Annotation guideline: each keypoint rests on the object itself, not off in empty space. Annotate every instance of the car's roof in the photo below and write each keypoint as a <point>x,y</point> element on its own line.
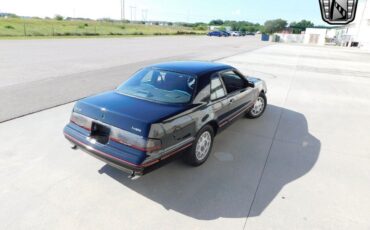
<point>191,67</point>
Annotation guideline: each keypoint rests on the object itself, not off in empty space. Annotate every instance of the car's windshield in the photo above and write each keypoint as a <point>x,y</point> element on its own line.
<point>160,86</point>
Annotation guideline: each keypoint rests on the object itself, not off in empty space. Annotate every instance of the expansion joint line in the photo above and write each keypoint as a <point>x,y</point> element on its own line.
<point>272,141</point>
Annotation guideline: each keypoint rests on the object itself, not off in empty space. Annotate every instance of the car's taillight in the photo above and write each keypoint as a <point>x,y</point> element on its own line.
<point>81,120</point>
<point>134,141</point>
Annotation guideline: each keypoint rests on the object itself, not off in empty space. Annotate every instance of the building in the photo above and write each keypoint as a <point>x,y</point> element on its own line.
<point>156,23</point>
<point>358,32</point>
<point>355,34</point>
<point>289,38</point>
<point>227,28</point>
<point>315,36</point>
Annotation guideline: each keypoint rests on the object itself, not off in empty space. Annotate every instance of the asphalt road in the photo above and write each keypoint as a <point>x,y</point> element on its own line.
<point>303,165</point>
<point>40,74</point>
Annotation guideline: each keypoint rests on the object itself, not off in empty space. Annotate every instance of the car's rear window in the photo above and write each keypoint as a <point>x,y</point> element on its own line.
<point>160,86</point>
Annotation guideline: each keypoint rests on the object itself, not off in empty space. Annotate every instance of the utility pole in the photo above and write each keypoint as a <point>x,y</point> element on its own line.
<point>122,10</point>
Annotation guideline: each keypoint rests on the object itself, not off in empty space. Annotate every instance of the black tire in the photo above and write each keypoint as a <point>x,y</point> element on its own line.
<point>251,114</point>
<point>191,156</point>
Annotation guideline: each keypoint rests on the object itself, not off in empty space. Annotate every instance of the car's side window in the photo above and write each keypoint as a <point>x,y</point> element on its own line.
<point>233,81</point>
<point>217,89</point>
<point>148,77</point>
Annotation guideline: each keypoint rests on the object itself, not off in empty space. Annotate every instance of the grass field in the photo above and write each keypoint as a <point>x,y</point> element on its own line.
<point>17,27</point>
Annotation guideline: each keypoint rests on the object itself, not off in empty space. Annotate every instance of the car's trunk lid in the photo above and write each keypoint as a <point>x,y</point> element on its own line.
<point>124,112</point>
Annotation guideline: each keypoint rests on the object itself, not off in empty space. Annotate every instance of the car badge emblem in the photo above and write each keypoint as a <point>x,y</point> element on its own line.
<point>136,129</point>
<point>338,12</point>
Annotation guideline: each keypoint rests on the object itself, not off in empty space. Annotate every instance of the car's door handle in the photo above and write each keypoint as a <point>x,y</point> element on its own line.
<point>231,100</point>
<point>243,90</point>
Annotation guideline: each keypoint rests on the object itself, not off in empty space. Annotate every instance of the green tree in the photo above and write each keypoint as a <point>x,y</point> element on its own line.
<point>298,27</point>
<point>58,17</point>
<point>273,26</point>
<point>217,22</point>
<point>243,29</point>
<point>252,28</point>
<point>222,28</point>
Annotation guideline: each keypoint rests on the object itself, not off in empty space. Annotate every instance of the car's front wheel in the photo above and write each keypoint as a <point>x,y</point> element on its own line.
<point>201,148</point>
<point>259,107</point>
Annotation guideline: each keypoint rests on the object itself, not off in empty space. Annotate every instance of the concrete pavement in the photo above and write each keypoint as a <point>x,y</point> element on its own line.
<point>303,165</point>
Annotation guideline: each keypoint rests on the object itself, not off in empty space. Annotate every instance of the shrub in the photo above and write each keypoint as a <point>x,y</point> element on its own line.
<point>67,34</point>
<point>122,27</point>
<point>112,33</point>
<point>138,33</point>
<point>9,27</point>
<point>202,28</point>
<point>159,33</point>
<point>180,32</point>
<point>83,26</point>
<point>90,34</point>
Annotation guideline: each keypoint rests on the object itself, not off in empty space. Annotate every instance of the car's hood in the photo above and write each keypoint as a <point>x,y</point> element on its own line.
<point>128,113</point>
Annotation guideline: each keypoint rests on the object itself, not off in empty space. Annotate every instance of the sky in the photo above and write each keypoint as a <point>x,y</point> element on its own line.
<point>257,11</point>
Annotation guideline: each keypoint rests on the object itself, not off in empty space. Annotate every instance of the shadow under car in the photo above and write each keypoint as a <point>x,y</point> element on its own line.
<point>251,161</point>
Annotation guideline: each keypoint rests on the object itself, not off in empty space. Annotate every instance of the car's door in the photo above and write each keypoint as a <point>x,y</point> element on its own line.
<point>218,100</point>
<point>240,94</point>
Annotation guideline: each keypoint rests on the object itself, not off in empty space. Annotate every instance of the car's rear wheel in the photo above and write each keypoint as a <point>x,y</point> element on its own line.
<point>201,148</point>
<point>259,107</point>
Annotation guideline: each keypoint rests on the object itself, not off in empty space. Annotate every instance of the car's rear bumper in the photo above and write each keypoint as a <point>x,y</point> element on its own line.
<point>121,165</point>
<point>125,162</point>
<point>104,153</point>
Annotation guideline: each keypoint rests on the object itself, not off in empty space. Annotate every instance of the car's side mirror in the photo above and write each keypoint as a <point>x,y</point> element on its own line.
<point>250,84</point>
